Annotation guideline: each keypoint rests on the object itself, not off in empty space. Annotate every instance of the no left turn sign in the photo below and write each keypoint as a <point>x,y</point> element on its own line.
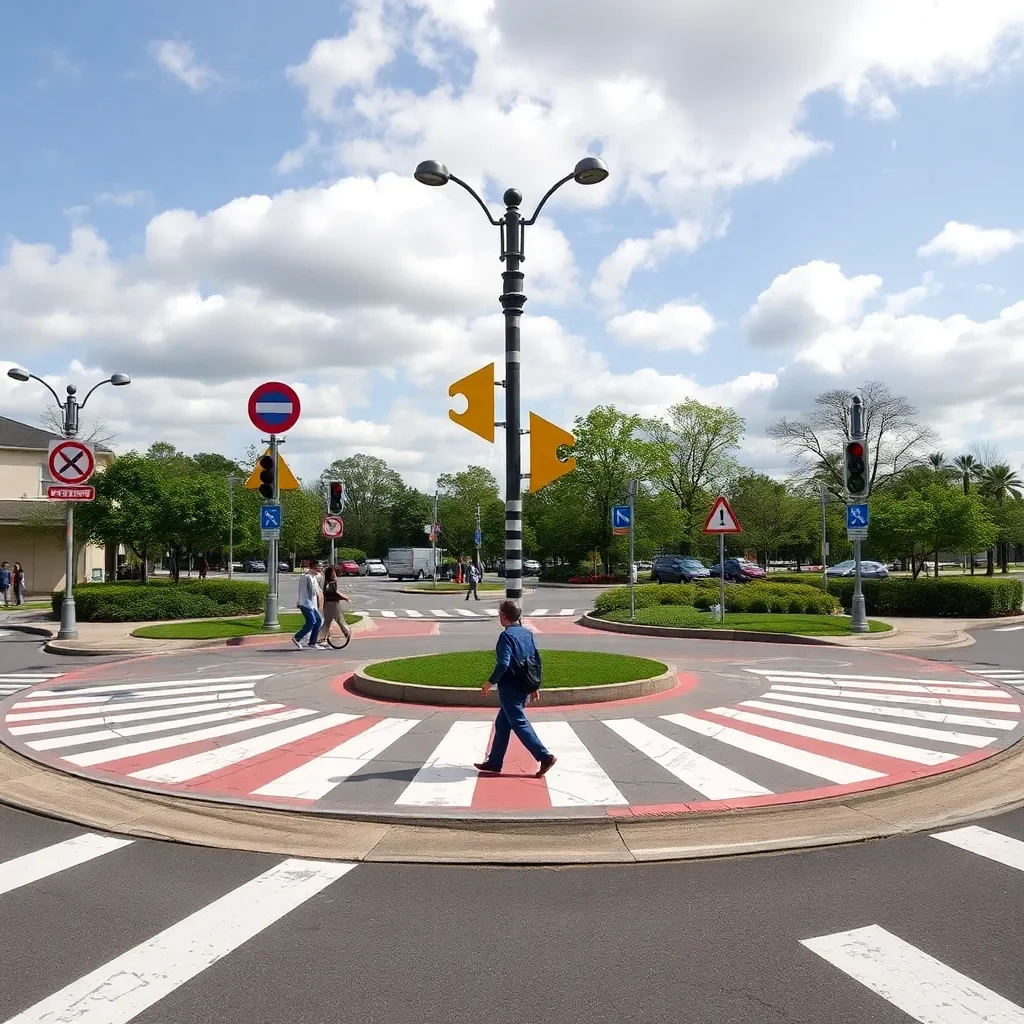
<point>71,462</point>
<point>332,527</point>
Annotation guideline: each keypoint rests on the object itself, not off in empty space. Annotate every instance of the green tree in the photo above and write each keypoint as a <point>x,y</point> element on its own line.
<point>370,489</point>
<point>218,465</point>
<point>302,512</point>
<point>901,527</point>
<point>458,497</point>
<point>959,522</point>
<point>772,517</point>
<point>968,468</point>
<point>699,441</point>
<point>999,484</point>
<point>193,516</point>
<point>410,511</point>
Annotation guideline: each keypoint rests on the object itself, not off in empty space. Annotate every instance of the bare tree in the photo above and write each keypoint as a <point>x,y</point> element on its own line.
<point>895,439</point>
<point>95,432</point>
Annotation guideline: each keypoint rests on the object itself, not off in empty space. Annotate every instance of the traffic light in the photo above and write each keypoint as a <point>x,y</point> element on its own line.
<point>478,390</point>
<point>268,471</point>
<point>335,497</point>
<point>545,440</point>
<point>856,469</point>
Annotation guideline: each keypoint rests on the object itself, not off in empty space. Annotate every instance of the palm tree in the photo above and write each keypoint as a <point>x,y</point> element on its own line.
<point>939,465</point>
<point>999,482</point>
<point>969,469</point>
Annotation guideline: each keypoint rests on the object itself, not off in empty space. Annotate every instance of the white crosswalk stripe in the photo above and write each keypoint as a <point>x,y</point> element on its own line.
<point>475,613</point>
<point>14,682</point>
<point>986,843</point>
<point>31,867</point>
<point>576,780</point>
<point>923,987</point>
<point>448,778</point>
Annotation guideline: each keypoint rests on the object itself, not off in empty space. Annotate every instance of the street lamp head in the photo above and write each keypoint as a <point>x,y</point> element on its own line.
<point>432,172</point>
<point>120,379</point>
<point>590,170</point>
<point>512,197</point>
<point>72,390</point>
<point>18,373</point>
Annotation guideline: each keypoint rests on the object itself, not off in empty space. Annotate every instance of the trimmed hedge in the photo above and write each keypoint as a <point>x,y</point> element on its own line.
<point>745,597</point>
<point>139,602</point>
<point>562,573</point>
<point>927,597</point>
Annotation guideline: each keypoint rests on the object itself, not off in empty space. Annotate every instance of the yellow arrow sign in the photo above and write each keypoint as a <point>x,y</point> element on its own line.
<point>285,477</point>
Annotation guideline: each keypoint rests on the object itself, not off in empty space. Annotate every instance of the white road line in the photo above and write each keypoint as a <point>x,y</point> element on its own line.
<point>823,767</point>
<point>448,778</point>
<point>493,612</point>
<point>389,615</point>
<point>197,765</point>
<point>812,676</point>
<point>945,717</point>
<point>901,751</point>
<point>1007,629</point>
<point>953,691</point>
<point>997,672</point>
<point>538,611</point>
<point>32,677</point>
<point>576,780</point>
<point>963,738</point>
<point>113,735</point>
<point>88,691</point>
<point>469,614</point>
<point>114,720</point>
<point>31,867</point>
<point>707,777</point>
<point>413,614</point>
<point>175,702</point>
<point>116,753</point>
<point>126,986</point>
<point>921,986</point>
<point>317,777</point>
<point>440,613</point>
<point>567,611</point>
<point>986,843</point>
<point>113,699</point>
<point>898,698</point>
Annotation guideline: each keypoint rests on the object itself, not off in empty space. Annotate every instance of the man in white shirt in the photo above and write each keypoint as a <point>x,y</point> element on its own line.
<point>308,602</point>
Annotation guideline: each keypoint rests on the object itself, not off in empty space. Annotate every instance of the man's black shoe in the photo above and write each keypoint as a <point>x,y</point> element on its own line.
<point>546,765</point>
<point>483,766</point>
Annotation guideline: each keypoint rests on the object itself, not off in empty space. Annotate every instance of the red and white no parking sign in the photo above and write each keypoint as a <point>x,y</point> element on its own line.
<point>70,461</point>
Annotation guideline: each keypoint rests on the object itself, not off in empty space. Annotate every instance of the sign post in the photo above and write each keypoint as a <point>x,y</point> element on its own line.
<point>71,464</point>
<point>632,564</point>
<point>721,520</point>
<point>273,408</point>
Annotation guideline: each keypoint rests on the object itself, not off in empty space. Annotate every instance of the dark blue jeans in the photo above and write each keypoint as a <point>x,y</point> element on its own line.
<point>512,719</point>
<point>312,624</point>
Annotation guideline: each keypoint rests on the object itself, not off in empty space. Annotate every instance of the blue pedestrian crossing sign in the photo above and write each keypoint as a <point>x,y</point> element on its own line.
<point>270,517</point>
<point>622,519</point>
<point>856,517</point>
<point>478,538</point>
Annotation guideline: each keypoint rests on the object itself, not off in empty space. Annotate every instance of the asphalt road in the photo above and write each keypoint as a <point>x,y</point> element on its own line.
<point>154,932</point>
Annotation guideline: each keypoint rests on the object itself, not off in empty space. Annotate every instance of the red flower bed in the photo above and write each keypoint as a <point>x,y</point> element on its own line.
<point>597,579</point>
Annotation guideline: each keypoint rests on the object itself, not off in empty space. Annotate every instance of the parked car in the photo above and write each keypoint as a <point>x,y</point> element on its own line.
<point>868,570</point>
<point>531,567</point>
<point>373,567</point>
<point>284,566</point>
<point>739,570</point>
<point>255,565</point>
<point>677,569</point>
<point>346,567</point>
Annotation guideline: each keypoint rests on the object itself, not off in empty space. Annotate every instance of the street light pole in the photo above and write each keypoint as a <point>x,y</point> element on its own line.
<point>512,225</point>
<point>70,409</point>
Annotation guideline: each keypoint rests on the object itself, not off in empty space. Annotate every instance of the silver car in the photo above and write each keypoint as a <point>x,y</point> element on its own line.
<point>373,567</point>
<point>868,570</point>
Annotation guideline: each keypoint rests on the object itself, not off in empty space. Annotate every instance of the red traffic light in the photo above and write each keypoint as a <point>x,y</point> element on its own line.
<point>856,449</point>
<point>336,487</point>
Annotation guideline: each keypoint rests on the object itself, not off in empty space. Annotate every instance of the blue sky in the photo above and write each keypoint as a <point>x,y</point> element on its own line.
<point>105,133</point>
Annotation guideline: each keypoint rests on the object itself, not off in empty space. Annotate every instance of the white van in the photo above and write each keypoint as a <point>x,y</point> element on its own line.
<point>410,563</point>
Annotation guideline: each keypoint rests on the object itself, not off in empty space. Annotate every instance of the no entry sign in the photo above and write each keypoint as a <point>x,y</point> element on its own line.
<point>70,462</point>
<point>274,408</point>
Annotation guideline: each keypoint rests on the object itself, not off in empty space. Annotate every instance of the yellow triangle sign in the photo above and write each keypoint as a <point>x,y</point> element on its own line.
<point>285,477</point>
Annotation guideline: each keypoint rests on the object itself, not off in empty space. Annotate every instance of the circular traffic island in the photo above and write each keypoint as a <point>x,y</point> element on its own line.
<point>570,677</point>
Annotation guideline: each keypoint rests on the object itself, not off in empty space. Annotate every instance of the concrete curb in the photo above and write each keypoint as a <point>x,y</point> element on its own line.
<point>457,696</point>
<point>32,630</point>
<point>633,628</point>
<point>494,595</point>
<point>992,786</point>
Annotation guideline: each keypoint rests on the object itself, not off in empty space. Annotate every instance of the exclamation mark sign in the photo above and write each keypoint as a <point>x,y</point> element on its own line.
<point>721,517</point>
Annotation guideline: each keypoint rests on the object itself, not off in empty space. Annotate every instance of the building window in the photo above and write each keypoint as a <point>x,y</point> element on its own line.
<point>45,480</point>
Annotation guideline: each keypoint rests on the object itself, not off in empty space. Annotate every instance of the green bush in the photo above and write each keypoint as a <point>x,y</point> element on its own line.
<point>349,555</point>
<point>160,599</point>
<point>808,579</point>
<point>561,573</point>
<point>927,597</point>
<point>745,597</point>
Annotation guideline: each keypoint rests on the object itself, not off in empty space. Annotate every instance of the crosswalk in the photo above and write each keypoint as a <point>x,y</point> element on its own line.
<point>803,732</point>
<point>469,613</point>
<point>1007,676</point>
<point>13,682</point>
<point>264,909</point>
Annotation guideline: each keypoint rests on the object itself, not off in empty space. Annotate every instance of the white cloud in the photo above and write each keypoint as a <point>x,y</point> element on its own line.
<point>632,254</point>
<point>968,243</point>
<point>128,198</point>
<point>295,159</point>
<point>675,327</point>
<point>902,302</point>
<point>178,58</point>
<point>805,301</point>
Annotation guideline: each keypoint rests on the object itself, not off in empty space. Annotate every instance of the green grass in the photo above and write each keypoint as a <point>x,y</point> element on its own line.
<point>689,618</point>
<point>561,668</point>
<point>28,606</point>
<point>453,588</point>
<point>213,629</point>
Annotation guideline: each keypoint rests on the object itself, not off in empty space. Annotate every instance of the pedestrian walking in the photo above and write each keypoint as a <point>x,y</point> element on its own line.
<point>18,577</point>
<point>517,674</point>
<point>5,582</point>
<point>473,575</point>
<point>333,600</point>
<point>308,602</point>
<point>204,568</point>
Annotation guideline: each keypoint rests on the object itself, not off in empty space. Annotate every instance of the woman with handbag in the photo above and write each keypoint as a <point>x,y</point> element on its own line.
<point>333,599</point>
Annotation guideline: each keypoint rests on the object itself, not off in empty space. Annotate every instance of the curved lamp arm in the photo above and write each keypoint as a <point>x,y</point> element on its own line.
<point>81,405</point>
<point>483,205</point>
<point>56,397</point>
<point>547,195</point>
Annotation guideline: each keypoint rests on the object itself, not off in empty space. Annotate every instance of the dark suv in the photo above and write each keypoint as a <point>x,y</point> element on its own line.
<point>677,569</point>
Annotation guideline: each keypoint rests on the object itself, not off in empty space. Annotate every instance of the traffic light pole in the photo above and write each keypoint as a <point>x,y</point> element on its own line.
<point>632,534</point>
<point>512,301</point>
<point>270,619</point>
<point>858,615</point>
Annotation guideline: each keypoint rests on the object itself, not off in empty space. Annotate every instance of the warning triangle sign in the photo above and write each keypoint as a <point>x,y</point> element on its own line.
<point>285,477</point>
<point>721,518</point>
